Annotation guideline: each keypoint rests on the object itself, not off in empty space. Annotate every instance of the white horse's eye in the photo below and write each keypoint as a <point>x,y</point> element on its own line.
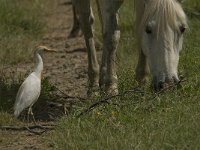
<point>182,29</point>
<point>148,30</point>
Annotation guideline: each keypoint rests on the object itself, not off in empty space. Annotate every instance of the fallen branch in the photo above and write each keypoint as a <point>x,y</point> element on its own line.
<point>35,132</point>
<point>107,99</point>
<point>170,86</point>
<point>29,128</point>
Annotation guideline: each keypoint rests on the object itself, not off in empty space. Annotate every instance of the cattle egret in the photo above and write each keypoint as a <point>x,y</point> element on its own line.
<point>29,91</point>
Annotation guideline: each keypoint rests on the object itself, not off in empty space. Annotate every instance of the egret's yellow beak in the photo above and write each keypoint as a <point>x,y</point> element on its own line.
<point>50,50</point>
<point>44,48</point>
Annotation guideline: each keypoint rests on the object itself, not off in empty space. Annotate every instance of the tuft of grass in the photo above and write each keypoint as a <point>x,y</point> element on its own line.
<point>8,90</point>
<point>193,5</point>
<point>21,27</point>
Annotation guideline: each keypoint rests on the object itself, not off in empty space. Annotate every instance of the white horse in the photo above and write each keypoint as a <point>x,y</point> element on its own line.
<point>160,25</point>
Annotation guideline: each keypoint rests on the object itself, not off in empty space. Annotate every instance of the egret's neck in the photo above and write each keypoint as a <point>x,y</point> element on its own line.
<point>38,64</point>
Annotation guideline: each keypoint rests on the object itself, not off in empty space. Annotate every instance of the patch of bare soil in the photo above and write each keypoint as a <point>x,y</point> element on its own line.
<point>66,69</point>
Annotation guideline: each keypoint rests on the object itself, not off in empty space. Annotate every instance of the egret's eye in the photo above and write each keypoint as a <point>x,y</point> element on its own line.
<point>148,30</point>
<point>182,29</point>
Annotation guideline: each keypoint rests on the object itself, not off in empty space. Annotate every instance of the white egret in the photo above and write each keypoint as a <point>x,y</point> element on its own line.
<point>29,91</point>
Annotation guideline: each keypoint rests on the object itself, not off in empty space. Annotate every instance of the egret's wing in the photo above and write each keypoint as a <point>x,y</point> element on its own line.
<point>28,93</point>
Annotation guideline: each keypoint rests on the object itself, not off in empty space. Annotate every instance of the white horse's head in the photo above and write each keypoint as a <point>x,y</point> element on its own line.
<point>162,27</point>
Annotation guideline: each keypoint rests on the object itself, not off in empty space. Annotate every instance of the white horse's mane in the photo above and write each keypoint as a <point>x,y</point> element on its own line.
<point>166,12</point>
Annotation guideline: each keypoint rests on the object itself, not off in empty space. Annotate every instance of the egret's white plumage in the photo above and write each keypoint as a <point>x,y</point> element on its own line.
<point>29,91</point>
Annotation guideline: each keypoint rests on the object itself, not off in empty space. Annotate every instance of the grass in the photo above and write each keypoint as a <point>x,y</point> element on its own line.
<point>21,28</point>
<point>141,121</point>
<point>169,120</point>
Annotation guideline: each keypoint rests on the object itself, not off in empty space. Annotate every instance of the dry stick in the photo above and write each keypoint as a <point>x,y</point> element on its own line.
<point>29,128</point>
<point>106,100</point>
<point>169,87</point>
<point>36,132</point>
<point>45,128</point>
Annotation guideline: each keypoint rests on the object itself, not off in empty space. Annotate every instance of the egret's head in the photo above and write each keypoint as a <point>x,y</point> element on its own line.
<point>41,49</point>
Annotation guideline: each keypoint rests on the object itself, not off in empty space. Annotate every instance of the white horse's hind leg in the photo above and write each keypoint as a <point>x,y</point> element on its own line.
<point>86,21</point>
<point>111,35</point>
<point>76,25</point>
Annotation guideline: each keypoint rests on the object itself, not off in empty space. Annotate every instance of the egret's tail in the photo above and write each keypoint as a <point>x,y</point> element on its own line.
<point>16,113</point>
<point>17,110</point>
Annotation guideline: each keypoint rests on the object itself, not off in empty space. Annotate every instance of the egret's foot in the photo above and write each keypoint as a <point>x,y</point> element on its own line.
<point>28,115</point>
<point>30,112</point>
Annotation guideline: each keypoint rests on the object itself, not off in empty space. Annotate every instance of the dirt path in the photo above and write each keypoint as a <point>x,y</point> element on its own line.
<point>66,69</point>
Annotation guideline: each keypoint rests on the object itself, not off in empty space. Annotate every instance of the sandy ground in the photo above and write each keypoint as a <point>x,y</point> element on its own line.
<point>66,69</point>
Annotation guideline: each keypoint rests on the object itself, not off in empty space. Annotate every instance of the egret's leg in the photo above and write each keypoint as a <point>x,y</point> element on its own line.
<point>24,118</point>
<point>33,117</point>
<point>29,112</point>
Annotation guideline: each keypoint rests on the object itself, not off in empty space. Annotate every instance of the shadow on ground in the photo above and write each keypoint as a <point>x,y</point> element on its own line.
<point>51,104</point>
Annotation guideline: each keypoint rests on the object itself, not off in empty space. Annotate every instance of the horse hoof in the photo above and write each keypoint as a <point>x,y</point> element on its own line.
<point>93,92</point>
<point>112,90</point>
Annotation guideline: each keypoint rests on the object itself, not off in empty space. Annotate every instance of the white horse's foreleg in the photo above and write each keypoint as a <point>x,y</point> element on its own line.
<point>86,22</point>
<point>111,36</point>
<point>142,68</point>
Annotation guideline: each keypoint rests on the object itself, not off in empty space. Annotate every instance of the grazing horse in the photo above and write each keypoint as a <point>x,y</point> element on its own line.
<point>159,24</point>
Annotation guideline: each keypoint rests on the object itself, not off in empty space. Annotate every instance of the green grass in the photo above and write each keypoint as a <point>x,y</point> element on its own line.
<point>141,121</point>
<point>21,27</point>
<point>192,4</point>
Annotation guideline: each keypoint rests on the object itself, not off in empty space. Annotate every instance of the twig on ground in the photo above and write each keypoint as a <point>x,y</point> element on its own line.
<point>106,100</point>
<point>35,132</point>
<point>29,128</point>
<point>169,87</point>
